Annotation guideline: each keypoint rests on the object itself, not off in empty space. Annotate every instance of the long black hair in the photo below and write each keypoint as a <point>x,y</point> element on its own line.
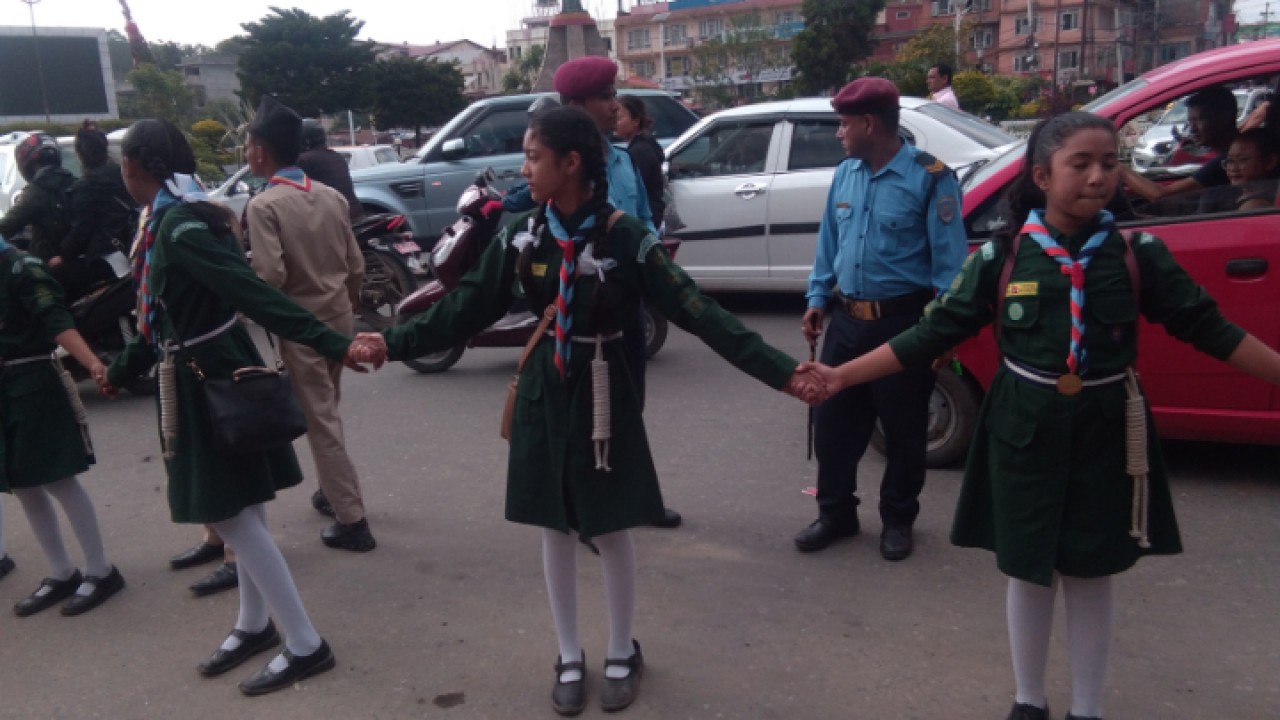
<point>1046,138</point>
<point>636,109</point>
<point>91,145</point>
<point>162,151</point>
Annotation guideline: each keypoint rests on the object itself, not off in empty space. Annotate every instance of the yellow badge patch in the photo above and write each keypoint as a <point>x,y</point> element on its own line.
<point>1023,289</point>
<point>539,269</point>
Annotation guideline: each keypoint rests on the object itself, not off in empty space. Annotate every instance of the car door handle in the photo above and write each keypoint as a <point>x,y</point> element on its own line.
<point>1246,268</point>
<point>746,191</point>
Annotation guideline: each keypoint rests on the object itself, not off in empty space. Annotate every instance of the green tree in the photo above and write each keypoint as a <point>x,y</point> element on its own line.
<point>314,65</point>
<point>977,93</point>
<point>836,36</point>
<point>415,93</point>
<point>747,48</point>
<point>522,75</point>
<point>159,94</point>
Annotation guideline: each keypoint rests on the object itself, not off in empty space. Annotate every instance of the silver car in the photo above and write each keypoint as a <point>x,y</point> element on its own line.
<point>750,184</point>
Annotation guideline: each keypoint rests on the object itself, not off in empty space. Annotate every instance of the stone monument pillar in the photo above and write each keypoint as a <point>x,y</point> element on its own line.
<point>573,34</point>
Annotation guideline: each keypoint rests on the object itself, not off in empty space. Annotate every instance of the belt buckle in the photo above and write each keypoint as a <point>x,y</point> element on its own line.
<point>862,309</point>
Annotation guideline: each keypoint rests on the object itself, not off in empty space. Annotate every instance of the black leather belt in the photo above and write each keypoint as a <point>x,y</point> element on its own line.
<point>912,304</point>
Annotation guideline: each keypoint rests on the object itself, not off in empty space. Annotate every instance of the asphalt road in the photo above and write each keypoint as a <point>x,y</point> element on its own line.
<point>449,618</point>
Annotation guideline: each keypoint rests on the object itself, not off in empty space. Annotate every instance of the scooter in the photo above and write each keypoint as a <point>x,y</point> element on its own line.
<point>457,252</point>
<point>390,267</point>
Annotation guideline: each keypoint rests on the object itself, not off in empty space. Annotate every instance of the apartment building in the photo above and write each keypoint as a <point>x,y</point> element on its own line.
<point>481,67</point>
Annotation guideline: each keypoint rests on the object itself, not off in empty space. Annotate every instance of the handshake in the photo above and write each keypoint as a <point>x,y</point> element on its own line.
<point>812,383</point>
<point>366,348</point>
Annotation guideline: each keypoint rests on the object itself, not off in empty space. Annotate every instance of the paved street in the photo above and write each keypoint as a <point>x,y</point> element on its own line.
<point>449,617</point>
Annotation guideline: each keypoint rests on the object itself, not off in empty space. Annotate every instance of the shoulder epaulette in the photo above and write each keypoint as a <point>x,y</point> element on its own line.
<point>931,164</point>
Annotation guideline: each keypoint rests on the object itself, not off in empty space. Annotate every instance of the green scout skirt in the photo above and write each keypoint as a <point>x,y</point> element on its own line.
<point>42,441</point>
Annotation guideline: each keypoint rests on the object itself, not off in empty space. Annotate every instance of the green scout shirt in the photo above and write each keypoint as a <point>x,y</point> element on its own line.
<point>41,440</point>
<point>1045,485</point>
<point>204,280</point>
<point>551,477</point>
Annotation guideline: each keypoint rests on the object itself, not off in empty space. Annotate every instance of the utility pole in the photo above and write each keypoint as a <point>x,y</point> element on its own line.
<point>1263,30</point>
<point>1084,39</point>
<point>35,43</point>
<point>1057,34</point>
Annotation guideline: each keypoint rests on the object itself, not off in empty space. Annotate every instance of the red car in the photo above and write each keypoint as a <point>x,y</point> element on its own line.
<point>1231,253</point>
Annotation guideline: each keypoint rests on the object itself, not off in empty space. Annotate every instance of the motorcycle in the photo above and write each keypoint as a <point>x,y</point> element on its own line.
<point>457,252</point>
<point>390,267</point>
<point>105,317</point>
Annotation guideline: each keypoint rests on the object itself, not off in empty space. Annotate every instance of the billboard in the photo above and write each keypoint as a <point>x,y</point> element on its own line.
<point>76,71</point>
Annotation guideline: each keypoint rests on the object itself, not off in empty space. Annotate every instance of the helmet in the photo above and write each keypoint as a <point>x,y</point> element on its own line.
<point>313,134</point>
<point>36,151</point>
<point>543,104</point>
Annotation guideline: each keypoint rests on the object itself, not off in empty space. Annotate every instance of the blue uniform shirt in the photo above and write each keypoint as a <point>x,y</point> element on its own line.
<point>882,236</point>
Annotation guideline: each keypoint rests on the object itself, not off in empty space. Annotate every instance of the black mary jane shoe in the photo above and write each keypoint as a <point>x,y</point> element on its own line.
<point>103,588</point>
<point>224,577</point>
<point>618,694</point>
<point>250,644</point>
<point>6,565</point>
<point>349,536</point>
<point>1024,711</point>
<point>59,590</point>
<point>200,554</point>
<point>321,504</point>
<point>298,668</point>
<point>570,698</point>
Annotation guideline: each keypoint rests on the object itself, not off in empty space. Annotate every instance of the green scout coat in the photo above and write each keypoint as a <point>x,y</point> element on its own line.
<point>551,477</point>
<point>204,280</point>
<point>42,442</point>
<point>1045,486</point>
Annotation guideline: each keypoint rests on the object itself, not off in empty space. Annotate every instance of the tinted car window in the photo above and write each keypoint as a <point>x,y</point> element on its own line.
<point>814,145</point>
<point>726,148</point>
<point>498,133</point>
<point>670,118</point>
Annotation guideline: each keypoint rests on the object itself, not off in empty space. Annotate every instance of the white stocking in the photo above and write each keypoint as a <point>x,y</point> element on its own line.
<point>560,566</point>
<point>78,507</point>
<point>258,558</point>
<point>254,615</point>
<point>38,508</point>
<point>1089,622</point>
<point>618,557</point>
<point>1030,616</point>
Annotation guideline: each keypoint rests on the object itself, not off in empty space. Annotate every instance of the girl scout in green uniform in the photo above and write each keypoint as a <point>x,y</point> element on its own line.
<point>1048,485</point>
<point>564,475</point>
<point>46,436</point>
<point>192,280</point>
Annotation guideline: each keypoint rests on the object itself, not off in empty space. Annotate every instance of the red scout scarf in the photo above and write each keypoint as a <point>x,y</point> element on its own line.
<point>1074,269</point>
<point>568,273</point>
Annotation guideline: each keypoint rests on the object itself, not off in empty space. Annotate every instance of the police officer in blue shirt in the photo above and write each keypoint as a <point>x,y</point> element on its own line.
<point>891,237</point>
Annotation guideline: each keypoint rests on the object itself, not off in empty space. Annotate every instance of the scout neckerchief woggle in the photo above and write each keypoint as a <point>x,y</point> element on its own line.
<point>1070,383</point>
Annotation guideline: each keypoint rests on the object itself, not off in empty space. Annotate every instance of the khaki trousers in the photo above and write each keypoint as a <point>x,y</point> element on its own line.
<point>317,382</point>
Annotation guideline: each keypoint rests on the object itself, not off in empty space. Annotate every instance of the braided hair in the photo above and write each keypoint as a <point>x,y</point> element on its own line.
<point>162,151</point>
<point>1046,138</point>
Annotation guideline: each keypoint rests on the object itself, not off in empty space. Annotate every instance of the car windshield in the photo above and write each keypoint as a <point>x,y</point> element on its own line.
<point>1012,155</point>
<point>979,131</point>
<point>1130,87</point>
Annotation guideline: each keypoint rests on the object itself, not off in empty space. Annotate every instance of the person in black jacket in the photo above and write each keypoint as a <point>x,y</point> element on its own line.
<point>102,219</point>
<point>43,203</point>
<point>634,126</point>
<point>324,165</point>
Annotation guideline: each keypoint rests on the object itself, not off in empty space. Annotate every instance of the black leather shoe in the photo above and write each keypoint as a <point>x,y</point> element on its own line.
<point>6,565</point>
<point>618,694</point>
<point>250,644</point>
<point>824,531</point>
<point>59,590</point>
<point>670,519</point>
<point>354,536</point>
<point>896,543</point>
<point>225,577</point>
<point>299,668</point>
<point>103,588</point>
<point>1023,711</point>
<point>198,555</point>
<point>570,698</point>
<point>321,503</point>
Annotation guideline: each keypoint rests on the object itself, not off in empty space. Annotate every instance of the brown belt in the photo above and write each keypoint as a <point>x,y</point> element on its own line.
<point>911,304</point>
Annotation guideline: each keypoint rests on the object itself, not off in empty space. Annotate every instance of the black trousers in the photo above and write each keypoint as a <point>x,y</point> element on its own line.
<point>844,423</point>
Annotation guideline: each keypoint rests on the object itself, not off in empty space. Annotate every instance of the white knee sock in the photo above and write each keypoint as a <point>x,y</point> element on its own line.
<point>254,615</point>
<point>560,566</point>
<point>259,558</point>
<point>618,558</point>
<point>78,507</point>
<point>1030,616</point>
<point>38,508</point>
<point>1089,622</point>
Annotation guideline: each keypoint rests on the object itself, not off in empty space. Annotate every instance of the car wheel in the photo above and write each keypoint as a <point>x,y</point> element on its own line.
<point>655,332</point>
<point>953,416</point>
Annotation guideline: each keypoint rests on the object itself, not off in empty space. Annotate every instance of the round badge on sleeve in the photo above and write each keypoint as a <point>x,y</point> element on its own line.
<point>1015,311</point>
<point>946,208</point>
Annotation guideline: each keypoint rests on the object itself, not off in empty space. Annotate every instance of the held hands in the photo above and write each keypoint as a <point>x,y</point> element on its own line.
<point>368,348</point>
<point>98,372</point>
<point>807,384</point>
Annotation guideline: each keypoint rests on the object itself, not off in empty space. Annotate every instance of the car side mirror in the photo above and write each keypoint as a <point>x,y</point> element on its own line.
<point>241,188</point>
<point>454,149</point>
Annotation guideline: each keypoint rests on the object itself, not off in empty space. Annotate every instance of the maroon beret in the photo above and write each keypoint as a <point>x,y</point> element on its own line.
<point>865,95</point>
<point>585,77</point>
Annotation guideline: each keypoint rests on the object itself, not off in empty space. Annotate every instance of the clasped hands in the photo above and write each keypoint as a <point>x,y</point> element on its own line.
<point>812,383</point>
<point>368,348</point>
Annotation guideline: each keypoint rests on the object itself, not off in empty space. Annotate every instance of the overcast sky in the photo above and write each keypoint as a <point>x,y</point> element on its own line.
<point>418,22</point>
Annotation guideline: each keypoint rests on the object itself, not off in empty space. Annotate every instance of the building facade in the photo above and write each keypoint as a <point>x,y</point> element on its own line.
<point>481,67</point>
<point>211,77</point>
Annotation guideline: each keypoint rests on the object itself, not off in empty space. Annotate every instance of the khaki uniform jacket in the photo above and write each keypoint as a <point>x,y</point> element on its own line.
<point>551,477</point>
<point>41,442</point>
<point>204,280</point>
<point>303,245</point>
<point>1045,486</point>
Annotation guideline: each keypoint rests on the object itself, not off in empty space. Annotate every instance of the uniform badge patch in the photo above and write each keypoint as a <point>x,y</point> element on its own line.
<point>988,250</point>
<point>1015,311</point>
<point>1022,289</point>
<point>946,208</point>
<point>539,269</point>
